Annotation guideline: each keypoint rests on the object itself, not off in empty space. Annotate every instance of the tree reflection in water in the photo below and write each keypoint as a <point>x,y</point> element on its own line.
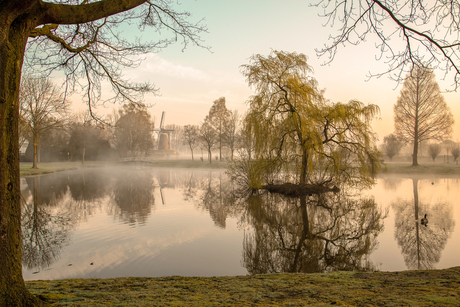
<point>133,196</point>
<point>422,246</point>
<point>53,206</point>
<point>322,232</point>
<point>47,218</point>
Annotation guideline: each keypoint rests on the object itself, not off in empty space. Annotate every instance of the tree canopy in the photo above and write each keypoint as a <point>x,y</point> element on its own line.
<point>133,131</point>
<point>296,129</point>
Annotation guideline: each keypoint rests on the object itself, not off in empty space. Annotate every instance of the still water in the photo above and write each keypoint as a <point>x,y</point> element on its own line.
<point>100,223</point>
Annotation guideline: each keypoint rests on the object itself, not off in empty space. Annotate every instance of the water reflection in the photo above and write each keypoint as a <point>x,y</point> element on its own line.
<point>133,196</point>
<point>211,191</point>
<point>47,220</point>
<point>422,246</point>
<point>114,218</point>
<point>315,233</point>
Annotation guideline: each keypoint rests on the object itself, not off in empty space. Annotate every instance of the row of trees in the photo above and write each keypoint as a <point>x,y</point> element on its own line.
<point>393,146</point>
<point>420,115</point>
<point>45,121</point>
<point>55,134</point>
<point>219,130</point>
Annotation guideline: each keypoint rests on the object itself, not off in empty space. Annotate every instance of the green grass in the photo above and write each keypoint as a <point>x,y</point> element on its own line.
<point>408,288</point>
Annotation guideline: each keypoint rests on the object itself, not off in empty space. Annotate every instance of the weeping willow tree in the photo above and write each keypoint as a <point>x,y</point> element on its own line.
<point>296,132</point>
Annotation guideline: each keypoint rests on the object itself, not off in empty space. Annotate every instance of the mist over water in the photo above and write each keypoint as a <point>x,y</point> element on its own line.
<point>134,221</point>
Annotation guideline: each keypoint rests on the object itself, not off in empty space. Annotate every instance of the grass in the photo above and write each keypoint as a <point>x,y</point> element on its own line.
<point>407,288</point>
<point>406,168</point>
<point>437,168</point>
<point>52,167</point>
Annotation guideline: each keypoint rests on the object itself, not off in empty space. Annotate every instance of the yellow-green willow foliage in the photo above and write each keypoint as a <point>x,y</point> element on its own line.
<point>295,128</point>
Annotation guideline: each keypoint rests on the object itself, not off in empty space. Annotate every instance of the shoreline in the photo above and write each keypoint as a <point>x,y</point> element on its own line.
<point>391,168</point>
<point>408,288</point>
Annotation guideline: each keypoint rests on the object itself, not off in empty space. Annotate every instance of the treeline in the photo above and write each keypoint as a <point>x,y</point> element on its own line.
<point>49,131</point>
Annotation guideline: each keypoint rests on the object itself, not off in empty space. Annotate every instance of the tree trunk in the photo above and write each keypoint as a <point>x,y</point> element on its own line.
<point>35,163</point>
<point>13,292</point>
<point>83,155</point>
<point>191,149</point>
<point>416,136</point>
<point>415,152</point>
<point>303,167</point>
<point>209,155</point>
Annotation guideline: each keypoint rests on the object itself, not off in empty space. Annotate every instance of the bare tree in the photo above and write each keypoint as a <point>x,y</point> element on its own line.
<point>434,150</point>
<point>208,136</point>
<point>421,113</point>
<point>191,137</point>
<point>391,145</point>
<point>231,131</point>
<point>408,33</point>
<point>218,117</point>
<point>81,38</point>
<point>43,108</point>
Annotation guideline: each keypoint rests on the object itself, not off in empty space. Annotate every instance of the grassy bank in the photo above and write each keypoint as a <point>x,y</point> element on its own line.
<point>52,167</point>
<point>436,168</point>
<point>406,168</point>
<point>408,288</point>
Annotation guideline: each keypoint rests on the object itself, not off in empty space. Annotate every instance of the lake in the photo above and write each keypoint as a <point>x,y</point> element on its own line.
<point>150,222</point>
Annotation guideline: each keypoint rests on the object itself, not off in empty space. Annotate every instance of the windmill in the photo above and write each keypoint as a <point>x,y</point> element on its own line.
<point>164,142</point>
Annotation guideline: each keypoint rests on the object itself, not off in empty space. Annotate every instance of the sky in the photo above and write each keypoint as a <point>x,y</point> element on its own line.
<point>189,81</point>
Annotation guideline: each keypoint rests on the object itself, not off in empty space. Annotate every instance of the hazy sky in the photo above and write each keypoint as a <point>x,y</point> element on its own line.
<point>190,81</point>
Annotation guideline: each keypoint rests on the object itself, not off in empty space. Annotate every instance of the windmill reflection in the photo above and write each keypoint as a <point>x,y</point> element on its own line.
<point>422,243</point>
<point>322,232</point>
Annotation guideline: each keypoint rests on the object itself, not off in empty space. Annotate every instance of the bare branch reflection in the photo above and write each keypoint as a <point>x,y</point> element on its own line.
<point>47,220</point>
<point>422,245</point>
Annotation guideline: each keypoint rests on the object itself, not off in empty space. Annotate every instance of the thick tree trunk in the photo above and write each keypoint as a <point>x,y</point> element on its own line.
<point>13,291</point>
